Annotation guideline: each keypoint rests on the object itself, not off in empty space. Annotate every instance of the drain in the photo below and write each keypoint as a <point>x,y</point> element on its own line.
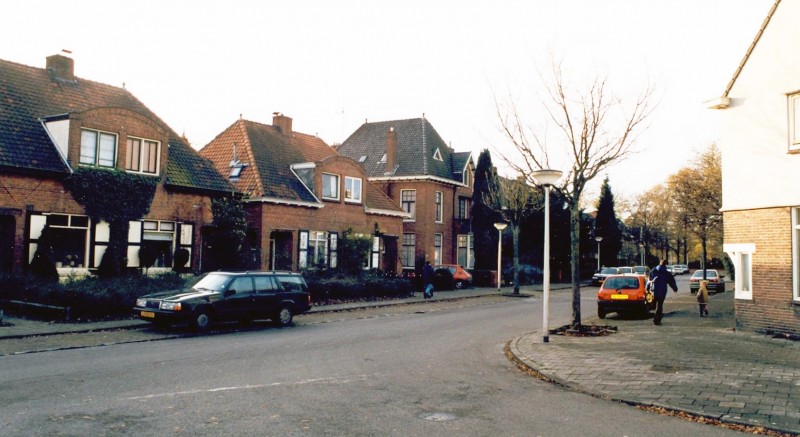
<point>437,417</point>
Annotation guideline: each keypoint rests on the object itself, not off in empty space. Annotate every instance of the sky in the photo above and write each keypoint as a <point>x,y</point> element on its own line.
<point>332,65</point>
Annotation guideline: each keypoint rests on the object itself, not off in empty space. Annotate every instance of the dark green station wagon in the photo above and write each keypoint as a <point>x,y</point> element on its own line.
<point>229,296</point>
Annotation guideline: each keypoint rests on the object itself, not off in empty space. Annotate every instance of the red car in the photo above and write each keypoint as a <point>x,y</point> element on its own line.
<point>451,276</point>
<point>624,294</point>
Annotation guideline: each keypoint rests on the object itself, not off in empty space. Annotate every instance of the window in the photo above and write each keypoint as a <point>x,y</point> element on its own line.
<point>159,237</point>
<point>464,205</point>
<point>466,251</point>
<point>243,285</point>
<point>98,148</point>
<point>374,261</point>
<point>330,186</point>
<point>142,156</point>
<point>437,155</point>
<point>318,248</point>
<point>742,257</point>
<point>408,250</point>
<point>467,176</point>
<point>333,250</point>
<point>794,121</point>
<point>352,189</point>
<point>65,234</point>
<point>437,248</point>
<point>438,197</point>
<point>408,201</point>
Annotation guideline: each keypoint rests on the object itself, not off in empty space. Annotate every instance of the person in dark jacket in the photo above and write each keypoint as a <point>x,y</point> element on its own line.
<point>660,278</point>
<point>427,280</point>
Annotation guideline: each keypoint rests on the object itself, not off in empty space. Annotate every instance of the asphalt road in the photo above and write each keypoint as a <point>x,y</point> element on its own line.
<point>421,370</point>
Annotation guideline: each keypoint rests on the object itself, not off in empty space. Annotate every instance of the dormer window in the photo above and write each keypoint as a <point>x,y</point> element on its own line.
<point>330,186</point>
<point>383,159</point>
<point>363,158</point>
<point>437,155</point>
<point>142,156</point>
<point>98,149</point>
<point>352,189</point>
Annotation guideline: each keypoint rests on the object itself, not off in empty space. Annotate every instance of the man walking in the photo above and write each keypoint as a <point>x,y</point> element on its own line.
<point>660,278</point>
<point>427,280</point>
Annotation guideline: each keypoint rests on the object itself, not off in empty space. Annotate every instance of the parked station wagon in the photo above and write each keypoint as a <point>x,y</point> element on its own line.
<point>229,296</point>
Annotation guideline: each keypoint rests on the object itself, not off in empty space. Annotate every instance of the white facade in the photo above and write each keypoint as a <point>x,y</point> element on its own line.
<point>759,167</point>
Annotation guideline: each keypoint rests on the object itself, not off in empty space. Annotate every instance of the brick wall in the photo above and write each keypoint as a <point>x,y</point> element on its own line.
<point>772,308</point>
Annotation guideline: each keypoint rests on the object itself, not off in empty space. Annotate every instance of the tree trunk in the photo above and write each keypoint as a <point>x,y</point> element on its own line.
<point>575,239</point>
<point>515,239</point>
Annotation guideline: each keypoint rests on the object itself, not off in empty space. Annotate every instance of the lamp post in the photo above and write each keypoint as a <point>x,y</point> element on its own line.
<point>598,240</point>
<point>500,227</point>
<point>547,178</point>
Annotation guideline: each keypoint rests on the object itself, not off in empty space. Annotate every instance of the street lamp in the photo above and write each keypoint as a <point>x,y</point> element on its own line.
<point>547,178</point>
<point>500,227</point>
<point>598,240</point>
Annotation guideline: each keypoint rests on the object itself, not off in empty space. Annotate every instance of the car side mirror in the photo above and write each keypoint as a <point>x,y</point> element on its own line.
<point>229,293</point>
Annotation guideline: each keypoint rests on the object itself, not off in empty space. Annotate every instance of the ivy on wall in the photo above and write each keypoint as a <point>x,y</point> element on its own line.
<point>115,197</point>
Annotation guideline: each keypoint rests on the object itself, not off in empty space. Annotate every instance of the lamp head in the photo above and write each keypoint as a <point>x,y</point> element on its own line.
<point>547,177</point>
<point>500,226</point>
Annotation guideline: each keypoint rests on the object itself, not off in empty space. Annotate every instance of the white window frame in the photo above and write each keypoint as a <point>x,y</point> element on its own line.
<point>437,248</point>
<point>317,248</point>
<point>793,104</point>
<point>325,195</point>
<point>742,257</point>
<point>438,199</point>
<point>437,155</point>
<point>97,148</point>
<point>141,164</point>
<point>405,248</point>
<point>465,250</point>
<point>352,189</point>
<point>412,205</point>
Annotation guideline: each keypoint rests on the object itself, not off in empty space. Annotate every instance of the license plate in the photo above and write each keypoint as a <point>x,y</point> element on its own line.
<point>148,314</point>
<point>619,297</point>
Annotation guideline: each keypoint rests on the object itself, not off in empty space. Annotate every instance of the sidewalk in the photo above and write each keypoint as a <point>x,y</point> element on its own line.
<point>697,365</point>
<point>14,327</point>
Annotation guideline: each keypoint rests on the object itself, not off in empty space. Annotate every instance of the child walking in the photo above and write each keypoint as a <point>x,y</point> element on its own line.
<point>702,298</point>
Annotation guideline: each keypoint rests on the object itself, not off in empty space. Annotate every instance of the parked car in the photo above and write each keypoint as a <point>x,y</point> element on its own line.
<point>599,277</point>
<point>679,269</point>
<point>671,269</point>
<point>624,294</point>
<point>716,281</point>
<point>229,296</point>
<point>528,274</point>
<point>641,270</point>
<point>624,270</point>
<point>448,276</point>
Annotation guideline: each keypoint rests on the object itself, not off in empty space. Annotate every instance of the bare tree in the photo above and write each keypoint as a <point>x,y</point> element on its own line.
<point>514,200</point>
<point>595,130</point>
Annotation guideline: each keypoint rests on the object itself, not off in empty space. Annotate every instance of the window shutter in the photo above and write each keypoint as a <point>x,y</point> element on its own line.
<point>302,252</point>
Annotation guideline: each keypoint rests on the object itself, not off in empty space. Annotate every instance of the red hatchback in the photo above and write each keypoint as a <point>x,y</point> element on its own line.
<point>624,294</point>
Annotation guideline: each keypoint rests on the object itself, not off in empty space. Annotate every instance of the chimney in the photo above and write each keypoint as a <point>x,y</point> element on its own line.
<point>391,150</point>
<point>61,67</point>
<point>282,122</point>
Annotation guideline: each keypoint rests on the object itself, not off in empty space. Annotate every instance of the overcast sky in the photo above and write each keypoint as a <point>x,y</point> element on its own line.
<point>331,65</point>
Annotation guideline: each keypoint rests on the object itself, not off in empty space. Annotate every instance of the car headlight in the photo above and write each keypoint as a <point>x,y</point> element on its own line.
<point>170,306</point>
<point>141,302</point>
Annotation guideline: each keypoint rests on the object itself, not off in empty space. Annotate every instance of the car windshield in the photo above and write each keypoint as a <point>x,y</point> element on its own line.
<point>616,283</point>
<point>709,274</point>
<point>609,271</point>
<point>213,282</point>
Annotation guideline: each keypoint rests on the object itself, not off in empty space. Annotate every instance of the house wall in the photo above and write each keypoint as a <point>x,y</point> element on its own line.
<point>771,308</point>
<point>758,171</point>
<point>756,163</point>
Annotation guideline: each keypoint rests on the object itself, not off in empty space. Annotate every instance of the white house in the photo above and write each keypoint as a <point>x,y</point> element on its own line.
<point>760,144</point>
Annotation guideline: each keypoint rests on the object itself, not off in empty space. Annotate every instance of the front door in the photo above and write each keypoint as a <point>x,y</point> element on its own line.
<point>7,227</point>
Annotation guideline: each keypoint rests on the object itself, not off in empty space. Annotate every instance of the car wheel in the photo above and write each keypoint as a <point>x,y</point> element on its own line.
<point>284,316</point>
<point>601,313</point>
<point>459,285</point>
<point>201,320</point>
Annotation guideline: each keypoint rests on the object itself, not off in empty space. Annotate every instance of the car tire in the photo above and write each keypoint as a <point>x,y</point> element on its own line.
<point>459,285</point>
<point>284,316</point>
<point>201,319</point>
<point>601,313</point>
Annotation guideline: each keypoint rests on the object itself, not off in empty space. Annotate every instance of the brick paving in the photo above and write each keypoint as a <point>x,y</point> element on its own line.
<point>692,364</point>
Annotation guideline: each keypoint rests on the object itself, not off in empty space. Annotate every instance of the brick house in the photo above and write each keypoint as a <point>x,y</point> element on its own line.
<point>301,196</point>
<point>760,145</point>
<point>52,122</point>
<point>411,163</point>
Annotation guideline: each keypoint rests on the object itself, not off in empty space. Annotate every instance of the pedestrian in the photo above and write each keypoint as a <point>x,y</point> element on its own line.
<point>702,298</point>
<point>427,280</point>
<point>661,278</point>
